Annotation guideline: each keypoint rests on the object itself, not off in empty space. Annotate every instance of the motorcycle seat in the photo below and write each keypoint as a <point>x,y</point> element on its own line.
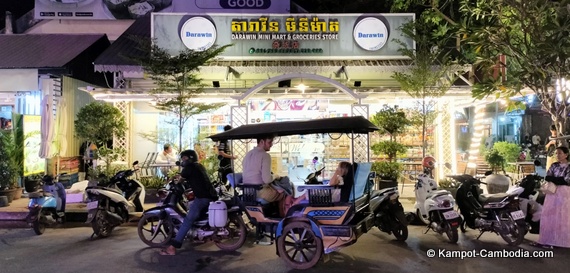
<point>490,198</point>
<point>437,193</point>
<point>38,194</point>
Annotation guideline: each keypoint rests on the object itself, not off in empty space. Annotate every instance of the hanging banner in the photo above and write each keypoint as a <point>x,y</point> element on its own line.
<point>132,9</point>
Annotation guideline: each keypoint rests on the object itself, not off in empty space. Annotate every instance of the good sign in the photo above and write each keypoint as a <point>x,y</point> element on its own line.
<point>245,4</point>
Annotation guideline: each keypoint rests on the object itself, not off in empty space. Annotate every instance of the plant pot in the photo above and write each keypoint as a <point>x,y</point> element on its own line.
<point>4,201</point>
<point>387,183</point>
<point>18,193</point>
<point>497,183</point>
<point>10,193</point>
<point>151,197</point>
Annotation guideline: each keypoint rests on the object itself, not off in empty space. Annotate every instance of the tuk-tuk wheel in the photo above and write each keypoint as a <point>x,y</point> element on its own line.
<point>298,246</point>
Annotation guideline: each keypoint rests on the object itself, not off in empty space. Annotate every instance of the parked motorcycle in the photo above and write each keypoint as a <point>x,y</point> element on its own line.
<point>223,224</point>
<point>435,208</point>
<point>531,200</point>
<point>389,213</point>
<point>111,205</point>
<point>499,213</point>
<point>47,205</point>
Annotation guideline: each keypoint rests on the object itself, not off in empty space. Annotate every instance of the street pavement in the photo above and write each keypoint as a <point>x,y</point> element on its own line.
<point>68,248</point>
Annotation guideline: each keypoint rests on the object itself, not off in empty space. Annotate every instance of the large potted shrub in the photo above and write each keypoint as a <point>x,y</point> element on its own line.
<point>8,166</point>
<point>98,122</point>
<point>391,121</point>
<point>496,182</point>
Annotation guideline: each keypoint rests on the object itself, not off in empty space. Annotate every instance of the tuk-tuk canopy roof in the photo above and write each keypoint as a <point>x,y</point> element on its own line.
<point>345,125</point>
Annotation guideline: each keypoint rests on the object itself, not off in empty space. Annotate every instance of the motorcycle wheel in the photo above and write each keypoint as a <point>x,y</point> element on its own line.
<point>237,236</point>
<point>401,227</point>
<point>422,218</point>
<point>299,246</point>
<point>39,226</point>
<point>100,225</point>
<point>516,232</point>
<point>155,232</point>
<point>451,233</point>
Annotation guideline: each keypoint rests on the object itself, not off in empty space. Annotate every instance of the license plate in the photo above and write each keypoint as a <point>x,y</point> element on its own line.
<point>450,215</point>
<point>517,214</point>
<point>92,205</point>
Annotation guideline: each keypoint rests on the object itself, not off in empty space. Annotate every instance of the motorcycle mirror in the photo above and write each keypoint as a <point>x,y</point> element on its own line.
<point>487,173</point>
<point>177,163</point>
<point>447,165</point>
<point>411,177</point>
<point>136,163</point>
<point>537,162</point>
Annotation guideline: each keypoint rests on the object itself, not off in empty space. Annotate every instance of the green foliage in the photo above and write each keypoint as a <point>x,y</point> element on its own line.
<point>153,182</point>
<point>102,174</point>
<point>389,148</point>
<point>98,122</point>
<point>510,151</point>
<point>448,183</point>
<point>8,166</point>
<point>178,76</point>
<point>109,156</point>
<point>211,163</point>
<point>387,170</point>
<point>390,120</point>
<point>495,160</point>
<point>533,35</point>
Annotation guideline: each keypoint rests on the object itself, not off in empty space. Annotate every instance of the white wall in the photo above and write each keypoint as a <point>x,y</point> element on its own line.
<point>144,119</point>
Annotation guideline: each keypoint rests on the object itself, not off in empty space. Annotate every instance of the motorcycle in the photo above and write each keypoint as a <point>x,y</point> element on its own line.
<point>434,207</point>
<point>46,206</point>
<point>223,224</point>
<point>111,205</point>
<point>389,212</point>
<point>531,200</point>
<point>499,213</point>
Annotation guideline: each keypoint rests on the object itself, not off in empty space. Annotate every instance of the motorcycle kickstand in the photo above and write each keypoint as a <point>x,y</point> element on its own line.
<point>92,236</point>
<point>480,234</point>
<point>428,228</point>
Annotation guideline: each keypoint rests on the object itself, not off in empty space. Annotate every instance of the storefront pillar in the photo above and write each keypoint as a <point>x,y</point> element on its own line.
<point>361,143</point>
<point>445,148</point>
<point>238,117</point>
<point>123,142</point>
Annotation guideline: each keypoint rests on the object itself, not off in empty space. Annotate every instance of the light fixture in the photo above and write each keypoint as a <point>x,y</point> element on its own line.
<point>302,86</point>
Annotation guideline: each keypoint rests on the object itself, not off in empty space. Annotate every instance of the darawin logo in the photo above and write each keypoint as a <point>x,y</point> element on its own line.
<point>198,33</point>
<point>370,33</point>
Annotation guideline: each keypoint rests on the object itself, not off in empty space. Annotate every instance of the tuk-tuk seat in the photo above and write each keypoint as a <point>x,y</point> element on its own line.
<point>361,178</point>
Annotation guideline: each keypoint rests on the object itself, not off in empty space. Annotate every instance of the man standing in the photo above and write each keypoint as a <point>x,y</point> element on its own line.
<point>225,156</point>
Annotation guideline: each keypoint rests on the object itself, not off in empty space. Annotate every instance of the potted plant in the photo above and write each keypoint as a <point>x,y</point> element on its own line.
<point>97,123</point>
<point>390,121</point>
<point>151,186</point>
<point>8,166</point>
<point>496,183</point>
<point>450,185</point>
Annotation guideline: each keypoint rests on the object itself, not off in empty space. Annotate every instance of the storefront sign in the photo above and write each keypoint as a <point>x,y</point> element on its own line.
<point>286,36</point>
<point>198,33</point>
<point>130,9</point>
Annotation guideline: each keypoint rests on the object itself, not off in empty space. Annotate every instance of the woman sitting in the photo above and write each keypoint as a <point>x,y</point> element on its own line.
<point>343,179</point>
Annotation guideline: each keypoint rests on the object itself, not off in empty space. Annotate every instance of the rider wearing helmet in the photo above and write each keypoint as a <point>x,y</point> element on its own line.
<point>197,177</point>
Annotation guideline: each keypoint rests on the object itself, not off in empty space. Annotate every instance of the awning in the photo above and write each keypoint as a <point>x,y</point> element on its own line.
<point>44,50</point>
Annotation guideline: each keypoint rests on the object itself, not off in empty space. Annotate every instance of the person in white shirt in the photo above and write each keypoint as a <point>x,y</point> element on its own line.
<point>166,157</point>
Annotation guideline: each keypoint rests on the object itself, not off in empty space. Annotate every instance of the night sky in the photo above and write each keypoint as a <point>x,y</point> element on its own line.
<point>17,7</point>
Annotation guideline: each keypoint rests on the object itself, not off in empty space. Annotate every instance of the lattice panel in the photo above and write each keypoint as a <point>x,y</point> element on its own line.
<point>239,147</point>
<point>361,143</point>
<point>119,80</point>
<point>445,138</point>
<point>123,142</point>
